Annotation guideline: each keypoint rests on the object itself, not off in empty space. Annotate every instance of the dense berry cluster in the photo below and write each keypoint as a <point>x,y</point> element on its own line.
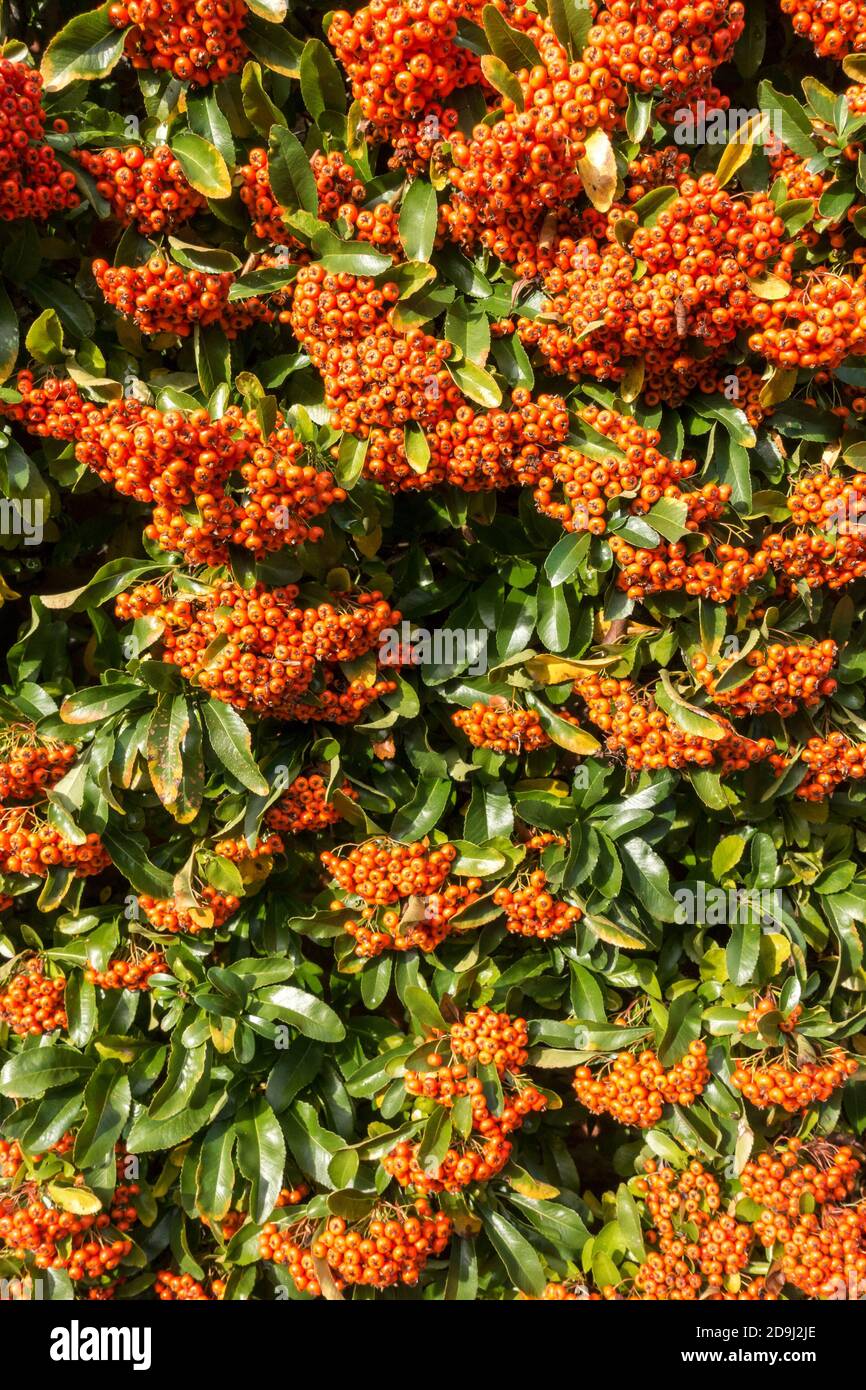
<point>403,62</point>
<point>31,766</point>
<point>160,296</point>
<point>304,805</point>
<point>32,1002</point>
<point>214,483</point>
<point>422,925</point>
<point>530,910</point>
<point>634,1088</point>
<point>275,658</point>
<point>783,680</point>
<point>819,1172</point>
<point>390,1247</point>
<point>32,181</point>
<point>212,912</point>
<point>835,29</point>
<point>182,1288</point>
<point>648,738</point>
<point>831,761</point>
<point>793,1088</point>
<point>53,410</point>
<point>382,872</point>
<point>197,42</point>
<point>29,845</point>
<point>695,1249</point>
<point>127,974</point>
<point>147,190</point>
<point>638,472</point>
<point>502,728</point>
<point>482,1039</point>
<point>341,194</point>
<point>699,256</point>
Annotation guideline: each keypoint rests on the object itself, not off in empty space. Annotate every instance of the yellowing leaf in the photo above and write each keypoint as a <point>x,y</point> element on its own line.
<point>597,171</point>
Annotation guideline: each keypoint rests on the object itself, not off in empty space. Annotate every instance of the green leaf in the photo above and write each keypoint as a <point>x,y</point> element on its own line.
<point>321,81</point>
<point>571,21</point>
<point>107,1101</point>
<point>416,447</point>
<point>350,460</point>
<point>418,217</point>
<point>230,740</point>
<point>261,1155</point>
<point>310,1015</point>
<point>42,1069</point>
<point>207,120</point>
<point>502,79</point>
<point>290,173</point>
<point>215,1173</point>
<point>419,815</point>
<point>516,50</point>
<point>521,1262</point>
<point>628,1220</point>
<point>259,110</point>
<point>788,119</point>
<point>129,855</point>
<point>44,339</point>
<point>88,46</point>
<point>475,383</point>
<point>274,46</point>
<point>9,338</point>
<point>203,165</point>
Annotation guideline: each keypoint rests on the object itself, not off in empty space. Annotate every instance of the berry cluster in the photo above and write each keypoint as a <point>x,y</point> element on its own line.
<point>783,680</point>
<point>304,805</point>
<point>794,1089</point>
<point>483,1038</point>
<point>84,1246</point>
<point>213,912</point>
<point>403,62</point>
<point>341,194</point>
<point>835,29</point>
<point>32,182</point>
<point>213,483</point>
<point>638,472</point>
<point>160,296</point>
<point>276,659</point>
<point>820,323</point>
<point>145,190</point>
<point>694,1249</point>
<point>127,974</point>
<point>384,871</point>
<point>636,727</point>
<point>635,1088</point>
<point>32,1003</point>
<point>390,1247</point>
<point>699,255</point>
<point>653,43</point>
<point>501,728</point>
<point>475,450</point>
<point>831,761</point>
<point>423,925</point>
<point>782,1179</point>
<point>30,846</point>
<point>181,1288</point>
<point>32,766</point>
<point>54,410</point>
<point>197,42</point>
<point>769,1005</point>
<point>825,1256</point>
<point>531,911</point>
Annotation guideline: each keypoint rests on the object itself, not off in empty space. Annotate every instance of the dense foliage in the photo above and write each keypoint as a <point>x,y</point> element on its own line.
<point>433,554</point>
